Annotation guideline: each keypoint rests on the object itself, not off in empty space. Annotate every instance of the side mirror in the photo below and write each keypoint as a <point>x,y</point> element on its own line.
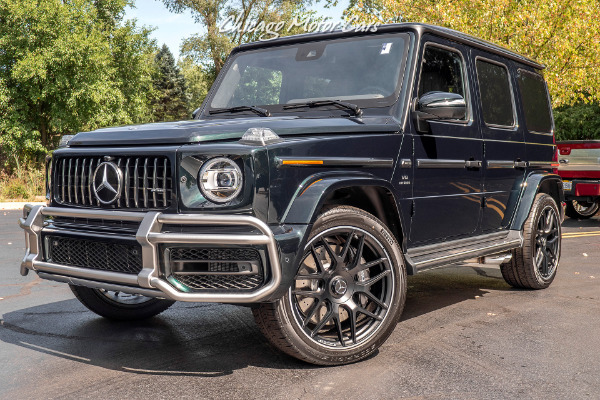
<point>439,106</point>
<point>196,112</point>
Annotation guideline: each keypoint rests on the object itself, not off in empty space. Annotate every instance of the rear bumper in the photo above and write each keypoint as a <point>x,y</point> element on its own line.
<point>583,189</point>
<point>149,281</point>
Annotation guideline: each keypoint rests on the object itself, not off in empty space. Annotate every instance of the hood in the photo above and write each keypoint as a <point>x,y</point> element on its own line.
<point>187,132</point>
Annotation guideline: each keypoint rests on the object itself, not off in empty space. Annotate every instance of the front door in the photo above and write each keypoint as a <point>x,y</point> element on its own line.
<point>446,190</point>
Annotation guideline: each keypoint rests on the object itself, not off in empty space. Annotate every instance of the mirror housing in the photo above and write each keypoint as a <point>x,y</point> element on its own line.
<point>439,106</point>
<point>196,112</point>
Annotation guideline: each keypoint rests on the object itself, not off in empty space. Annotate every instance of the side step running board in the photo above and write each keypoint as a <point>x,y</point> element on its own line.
<point>431,256</point>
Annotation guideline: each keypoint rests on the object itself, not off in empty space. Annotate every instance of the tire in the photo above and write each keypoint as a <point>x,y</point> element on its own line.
<point>534,265</point>
<point>347,296</point>
<point>581,209</point>
<point>119,306</point>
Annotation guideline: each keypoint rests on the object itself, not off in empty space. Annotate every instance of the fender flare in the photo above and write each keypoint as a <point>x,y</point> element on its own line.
<point>534,183</point>
<point>312,193</point>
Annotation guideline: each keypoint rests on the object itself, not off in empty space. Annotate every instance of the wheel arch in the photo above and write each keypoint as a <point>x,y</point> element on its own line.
<point>373,195</point>
<point>535,183</point>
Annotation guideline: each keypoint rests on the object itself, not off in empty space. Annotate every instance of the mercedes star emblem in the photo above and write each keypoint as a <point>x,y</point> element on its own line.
<point>107,183</point>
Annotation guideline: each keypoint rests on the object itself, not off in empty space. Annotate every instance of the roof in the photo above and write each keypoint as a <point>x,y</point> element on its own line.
<point>419,28</point>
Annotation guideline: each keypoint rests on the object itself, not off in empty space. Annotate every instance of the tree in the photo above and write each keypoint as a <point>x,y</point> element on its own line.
<point>578,122</point>
<point>67,66</point>
<point>212,48</point>
<point>564,34</point>
<point>197,81</point>
<point>171,102</point>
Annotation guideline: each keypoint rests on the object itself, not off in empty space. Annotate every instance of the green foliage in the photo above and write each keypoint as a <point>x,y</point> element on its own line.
<point>258,86</point>
<point>68,66</point>
<point>197,80</point>
<point>171,102</point>
<point>563,34</point>
<point>25,184</point>
<point>578,122</point>
<point>212,48</point>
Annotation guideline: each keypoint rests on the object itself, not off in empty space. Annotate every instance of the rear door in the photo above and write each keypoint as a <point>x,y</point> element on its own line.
<point>446,194</point>
<point>504,147</point>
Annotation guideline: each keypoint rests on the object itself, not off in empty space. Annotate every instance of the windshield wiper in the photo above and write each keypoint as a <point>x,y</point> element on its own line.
<point>260,111</point>
<point>319,103</point>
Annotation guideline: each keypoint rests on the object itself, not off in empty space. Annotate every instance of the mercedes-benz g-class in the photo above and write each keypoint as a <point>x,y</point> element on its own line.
<point>320,170</point>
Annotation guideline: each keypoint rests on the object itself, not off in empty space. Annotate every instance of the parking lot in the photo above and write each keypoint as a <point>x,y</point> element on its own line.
<point>465,334</point>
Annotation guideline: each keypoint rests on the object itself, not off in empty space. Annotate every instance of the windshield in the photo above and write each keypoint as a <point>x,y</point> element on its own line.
<point>362,70</point>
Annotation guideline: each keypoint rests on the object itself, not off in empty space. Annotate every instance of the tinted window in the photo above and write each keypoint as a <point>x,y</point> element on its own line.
<point>536,104</point>
<point>365,71</point>
<point>441,71</point>
<point>494,89</point>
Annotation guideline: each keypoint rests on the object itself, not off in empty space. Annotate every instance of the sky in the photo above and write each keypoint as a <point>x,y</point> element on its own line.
<point>172,28</point>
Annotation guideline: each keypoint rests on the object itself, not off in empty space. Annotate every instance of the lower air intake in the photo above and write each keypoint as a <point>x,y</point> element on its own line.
<point>105,256</point>
<point>216,269</point>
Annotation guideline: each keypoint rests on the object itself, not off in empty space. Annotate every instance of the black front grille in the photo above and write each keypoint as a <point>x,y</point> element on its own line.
<point>196,253</point>
<point>147,182</point>
<point>218,261</point>
<point>105,256</point>
<point>221,282</point>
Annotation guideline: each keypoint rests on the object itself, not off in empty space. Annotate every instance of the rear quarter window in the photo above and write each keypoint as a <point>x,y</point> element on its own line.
<point>536,104</point>
<point>495,93</point>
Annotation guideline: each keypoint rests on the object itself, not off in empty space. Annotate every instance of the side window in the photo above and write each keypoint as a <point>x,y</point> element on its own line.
<point>441,71</point>
<point>536,103</point>
<point>495,93</point>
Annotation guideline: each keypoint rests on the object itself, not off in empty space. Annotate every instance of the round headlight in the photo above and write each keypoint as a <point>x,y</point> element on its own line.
<point>220,180</point>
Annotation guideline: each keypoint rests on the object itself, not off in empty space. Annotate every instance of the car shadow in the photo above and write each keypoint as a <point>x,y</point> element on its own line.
<point>207,340</point>
<point>439,288</point>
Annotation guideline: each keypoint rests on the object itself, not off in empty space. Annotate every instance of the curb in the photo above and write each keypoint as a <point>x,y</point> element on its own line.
<point>18,205</point>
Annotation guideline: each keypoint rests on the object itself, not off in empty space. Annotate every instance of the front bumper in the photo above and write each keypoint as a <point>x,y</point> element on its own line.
<point>149,281</point>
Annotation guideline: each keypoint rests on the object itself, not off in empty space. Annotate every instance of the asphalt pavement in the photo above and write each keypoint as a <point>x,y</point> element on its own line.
<point>465,334</point>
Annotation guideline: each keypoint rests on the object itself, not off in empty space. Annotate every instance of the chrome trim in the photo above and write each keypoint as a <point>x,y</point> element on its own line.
<point>148,236</point>
<point>165,183</point>
<point>406,163</point>
<point>494,164</point>
<point>100,285</point>
<point>69,180</point>
<point>95,274</point>
<point>541,164</point>
<point>458,250</point>
<point>127,182</point>
<point>136,183</point>
<point>473,164</point>
<point>75,178</point>
<point>78,213</point>
<point>440,163</point>
<point>520,164</point>
<point>145,183</point>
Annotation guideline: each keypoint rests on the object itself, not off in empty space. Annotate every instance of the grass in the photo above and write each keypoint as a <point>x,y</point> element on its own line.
<point>22,185</point>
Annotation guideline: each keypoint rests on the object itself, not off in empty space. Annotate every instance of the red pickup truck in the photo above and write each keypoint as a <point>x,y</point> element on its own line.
<point>579,167</point>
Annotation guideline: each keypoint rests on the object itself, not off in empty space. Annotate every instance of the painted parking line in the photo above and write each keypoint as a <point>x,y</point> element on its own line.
<point>580,234</point>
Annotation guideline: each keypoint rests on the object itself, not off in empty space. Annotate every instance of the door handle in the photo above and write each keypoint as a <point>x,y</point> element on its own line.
<point>473,164</point>
<point>520,164</point>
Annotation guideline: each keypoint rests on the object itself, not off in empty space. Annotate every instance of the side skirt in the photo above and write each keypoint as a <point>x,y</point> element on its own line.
<point>437,255</point>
